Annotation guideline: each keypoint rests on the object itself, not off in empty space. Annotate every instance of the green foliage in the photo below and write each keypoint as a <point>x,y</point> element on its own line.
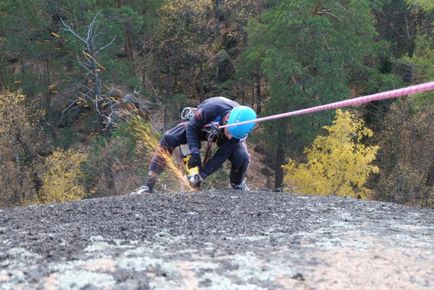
<point>406,155</point>
<point>398,24</point>
<point>26,43</point>
<point>306,50</point>
<point>176,103</point>
<point>426,5</point>
<point>33,37</point>
<point>422,60</point>
<point>183,39</point>
<point>109,28</point>
<point>67,137</point>
<point>111,157</point>
<point>337,164</point>
<point>182,42</point>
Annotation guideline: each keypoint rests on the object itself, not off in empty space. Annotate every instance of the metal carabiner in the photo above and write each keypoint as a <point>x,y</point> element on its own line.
<point>188,113</point>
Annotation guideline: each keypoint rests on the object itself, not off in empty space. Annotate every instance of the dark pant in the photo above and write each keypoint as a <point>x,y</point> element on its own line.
<point>237,154</point>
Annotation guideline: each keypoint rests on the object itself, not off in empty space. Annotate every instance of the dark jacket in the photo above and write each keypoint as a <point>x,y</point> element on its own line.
<point>211,110</point>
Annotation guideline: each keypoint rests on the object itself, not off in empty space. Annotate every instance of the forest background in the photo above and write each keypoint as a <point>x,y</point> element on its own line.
<point>74,73</point>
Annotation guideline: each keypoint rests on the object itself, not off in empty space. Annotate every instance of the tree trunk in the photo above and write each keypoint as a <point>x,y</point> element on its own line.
<point>47,81</point>
<point>128,41</point>
<point>201,84</point>
<point>430,178</point>
<point>2,86</point>
<point>110,176</point>
<point>165,115</point>
<point>128,46</point>
<point>278,174</point>
<point>217,17</point>
<point>258,96</point>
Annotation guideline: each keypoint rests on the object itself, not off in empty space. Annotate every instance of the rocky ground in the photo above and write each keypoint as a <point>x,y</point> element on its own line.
<point>217,240</point>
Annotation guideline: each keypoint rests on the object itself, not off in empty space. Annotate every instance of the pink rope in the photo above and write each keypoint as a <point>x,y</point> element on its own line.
<point>347,103</point>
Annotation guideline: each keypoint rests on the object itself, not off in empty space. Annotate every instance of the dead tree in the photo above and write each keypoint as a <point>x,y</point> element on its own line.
<point>91,87</point>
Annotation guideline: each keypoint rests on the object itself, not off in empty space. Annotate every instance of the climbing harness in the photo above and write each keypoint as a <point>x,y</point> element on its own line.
<point>214,133</point>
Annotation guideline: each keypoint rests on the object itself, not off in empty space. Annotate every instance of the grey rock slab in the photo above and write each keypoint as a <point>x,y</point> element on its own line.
<point>217,240</point>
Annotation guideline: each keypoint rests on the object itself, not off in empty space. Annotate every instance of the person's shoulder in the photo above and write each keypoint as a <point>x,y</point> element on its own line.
<point>219,100</point>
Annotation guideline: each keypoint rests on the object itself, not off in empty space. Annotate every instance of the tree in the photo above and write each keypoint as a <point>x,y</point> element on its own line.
<point>426,5</point>
<point>20,145</point>
<point>423,57</point>
<point>27,47</point>
<point>62,180</point>
<point>406,138</point>
<point>306,50</point>
<point>39,57</point>
<point>337,164</point>
<point>117,163</point>
<point>91,90</point>
<point>398,25</point>
<point>406,155</point>
<point>422,61</point>
<point>183,38</point>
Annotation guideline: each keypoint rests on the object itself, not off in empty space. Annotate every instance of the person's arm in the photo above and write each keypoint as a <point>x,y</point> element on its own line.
<point>222,154</point>
<point>202,117</point>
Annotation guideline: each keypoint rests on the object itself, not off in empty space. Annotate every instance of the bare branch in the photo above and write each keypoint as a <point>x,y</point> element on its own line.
<point>96,35</point>
<point>94,63</point>
<point>92,27</point>
<point>69,29</point>
<point>62,116</point>
<point>105,46</point>
<point>328,12</point>
<point>86,95</point>
<point>86,67</point>
<point>91,88</point>
<point>343,8</point>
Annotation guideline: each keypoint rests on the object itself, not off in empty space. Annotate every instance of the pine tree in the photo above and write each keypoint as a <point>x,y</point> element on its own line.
<point>306,49</point>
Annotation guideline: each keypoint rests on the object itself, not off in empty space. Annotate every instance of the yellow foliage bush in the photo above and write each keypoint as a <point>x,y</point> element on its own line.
<point>61,181</point>
<point>337,164</point>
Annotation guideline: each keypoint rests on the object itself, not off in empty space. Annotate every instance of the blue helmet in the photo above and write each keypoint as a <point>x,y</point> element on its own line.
<point>240,114</point>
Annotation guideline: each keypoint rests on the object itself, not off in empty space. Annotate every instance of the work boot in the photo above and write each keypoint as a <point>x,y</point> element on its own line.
<point>151,179</point>
<point>242,186</point>
<point>144,189</point>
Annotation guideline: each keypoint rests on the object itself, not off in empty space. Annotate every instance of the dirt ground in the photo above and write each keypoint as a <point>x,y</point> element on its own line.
<point>217,240</point>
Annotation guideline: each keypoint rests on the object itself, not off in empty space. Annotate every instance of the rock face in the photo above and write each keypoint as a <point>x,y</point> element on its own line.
<point>217,240</point>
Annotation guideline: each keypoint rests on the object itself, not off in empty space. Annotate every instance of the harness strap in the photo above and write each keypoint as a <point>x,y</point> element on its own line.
<point>208,149</point>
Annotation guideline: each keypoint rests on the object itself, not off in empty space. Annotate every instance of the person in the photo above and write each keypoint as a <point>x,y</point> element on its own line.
<point>231,142</point>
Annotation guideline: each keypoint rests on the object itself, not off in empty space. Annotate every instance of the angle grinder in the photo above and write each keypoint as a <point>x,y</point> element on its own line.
<point>193,175</point>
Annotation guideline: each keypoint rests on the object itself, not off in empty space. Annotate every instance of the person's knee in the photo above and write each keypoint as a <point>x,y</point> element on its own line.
<point>168,141</point>
<point>242,160</point>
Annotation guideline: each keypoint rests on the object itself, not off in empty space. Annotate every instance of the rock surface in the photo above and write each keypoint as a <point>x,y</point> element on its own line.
<point>217,240</point>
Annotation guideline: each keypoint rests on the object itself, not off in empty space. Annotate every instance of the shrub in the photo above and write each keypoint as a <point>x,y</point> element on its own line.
<point>62,180</point>
<point>337,164</point>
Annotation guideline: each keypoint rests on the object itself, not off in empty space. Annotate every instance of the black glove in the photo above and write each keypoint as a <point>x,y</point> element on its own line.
<point>194,161</point>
